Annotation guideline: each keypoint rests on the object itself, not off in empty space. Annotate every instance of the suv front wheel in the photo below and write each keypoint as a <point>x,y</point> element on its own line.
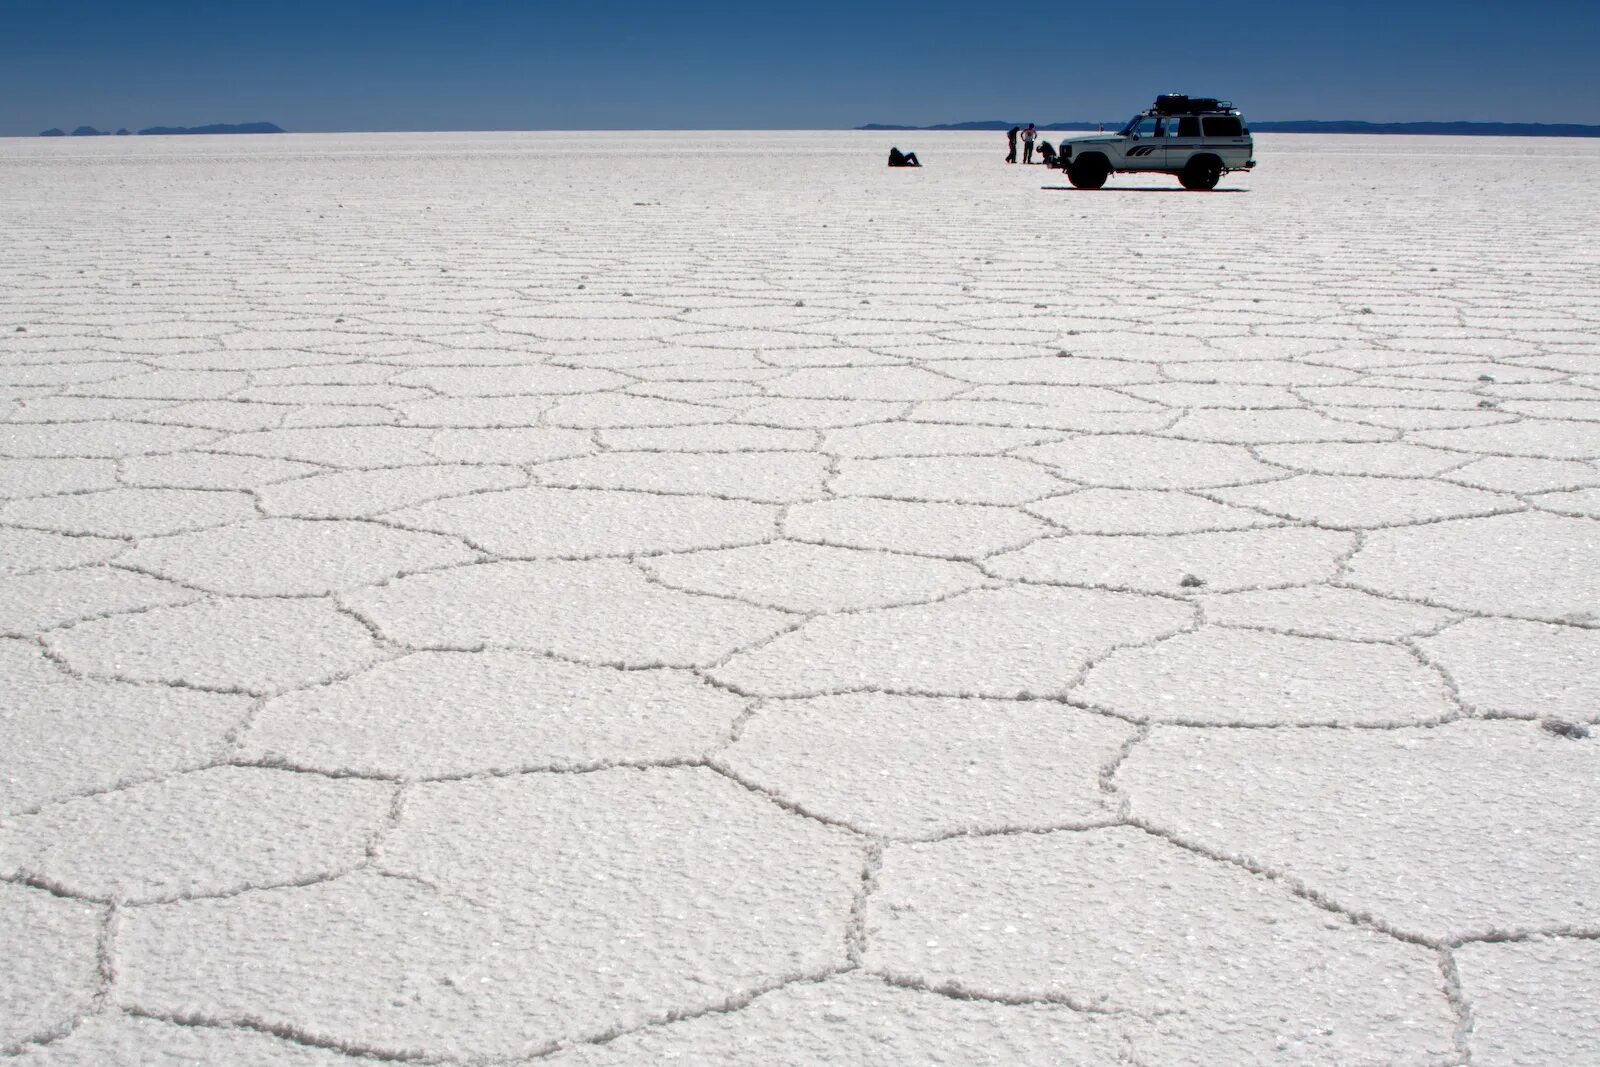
<point>1088,172</point>
<point>1201,173</point>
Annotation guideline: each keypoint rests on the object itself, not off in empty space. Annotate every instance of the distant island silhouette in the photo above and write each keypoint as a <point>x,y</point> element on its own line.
<point>1455,129</point>
<point>242,127</point>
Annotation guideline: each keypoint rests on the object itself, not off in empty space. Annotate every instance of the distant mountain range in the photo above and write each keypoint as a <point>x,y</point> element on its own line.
<point>1455,129</point>
<point>243,127</point>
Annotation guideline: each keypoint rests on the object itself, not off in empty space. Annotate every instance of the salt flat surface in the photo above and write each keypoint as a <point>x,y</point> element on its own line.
<point>637,598</point>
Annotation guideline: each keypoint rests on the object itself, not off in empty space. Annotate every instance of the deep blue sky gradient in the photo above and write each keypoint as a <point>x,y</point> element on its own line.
<point>624,64</point>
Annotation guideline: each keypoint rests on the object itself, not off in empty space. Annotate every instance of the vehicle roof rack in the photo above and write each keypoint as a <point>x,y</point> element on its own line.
<point>1179,104</point>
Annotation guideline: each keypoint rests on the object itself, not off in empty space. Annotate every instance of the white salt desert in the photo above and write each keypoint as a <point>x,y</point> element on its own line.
<point>620,598</point>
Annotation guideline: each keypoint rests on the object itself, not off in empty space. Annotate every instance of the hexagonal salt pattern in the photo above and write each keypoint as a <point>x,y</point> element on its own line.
<point>601,611</point>
<point>1466,830</point>
<point>1531,1001</point>
<point>51,947</point>
<point>927,767</point>
<point>798,620</point>
<point>859,1019</point>
<point>208,833</point>
<point>438,714</point>
<point>1222,965</point>
<point>67,735</point>
<point>1000,643</point>
<point>289,557</point>
<point>116,1039</point>
<point>1531,565</point>
<point>1524,669</point>
<point>512,915</point>
<point>811,578</point>
<point>1235,677</point>
<point>242,645</point>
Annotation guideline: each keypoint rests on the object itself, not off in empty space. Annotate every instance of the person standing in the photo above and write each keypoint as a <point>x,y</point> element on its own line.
<point>1011,140</point>
<point>1028,135</point>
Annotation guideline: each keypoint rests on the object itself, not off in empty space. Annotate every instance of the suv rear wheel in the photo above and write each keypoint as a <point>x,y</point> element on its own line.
<point>1201,173</point>
<point>1088,172</point>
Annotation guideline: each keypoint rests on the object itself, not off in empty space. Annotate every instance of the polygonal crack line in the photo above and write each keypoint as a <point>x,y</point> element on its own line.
<point>1460,1007</point>
<point>809,614</point>
<point>286,1032</point>
<point>380,516</point>
<point>128,541</point>
<point>78,620</point>
<point>60,660</point>
<point>1342,562</point>
<point>1518,935</point>
<point>233,737</point>
<point>1107,778</point>
<point>1292,884</point>
<point>956,990</point>
<point>35,880</point>
<point>731,1004</point>
<point>752,708</point>
<point>830,473</point>
<point>1247,443</point>
<point>596,765</point>
<point>152,572</point>
<point>391,822</point>
<point>330,594</point>
<point>579,487</point>
<point>1523,495</point>
<point>127,781</point>
<point>976,558</point>
<point>715,764</point>
<point>1342,582</point>
<point>965,833</point>
<point>326,467</point>
<point>393,649</point>
<point>200,592</point>
<point>45,1038</point>
<point>1392,524</point>
<point>1090,662</point>
<point>1438,670</point>
<point>133,420</point>
<point>381,655</point>
<point>856,928</point>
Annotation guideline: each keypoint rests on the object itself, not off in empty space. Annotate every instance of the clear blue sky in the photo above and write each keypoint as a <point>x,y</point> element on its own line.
<point>624,64</point>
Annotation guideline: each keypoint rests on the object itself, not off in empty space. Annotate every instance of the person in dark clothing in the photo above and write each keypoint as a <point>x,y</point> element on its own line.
<point>1047,152</point>
<point>1011,140</point>
<point>898,158</point>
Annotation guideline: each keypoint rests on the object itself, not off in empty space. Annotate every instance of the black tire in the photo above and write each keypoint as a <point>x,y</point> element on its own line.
<point>1202,173</point>
<point>1088,172</point>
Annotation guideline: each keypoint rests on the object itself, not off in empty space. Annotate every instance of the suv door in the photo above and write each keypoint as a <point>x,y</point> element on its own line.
<point>1145,148</point>
<point>1183,137</point>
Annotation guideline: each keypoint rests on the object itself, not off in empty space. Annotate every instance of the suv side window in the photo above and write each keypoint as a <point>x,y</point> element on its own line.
<point>1224,126</point>
<point>1148,126</point>
<point>1188,126</point>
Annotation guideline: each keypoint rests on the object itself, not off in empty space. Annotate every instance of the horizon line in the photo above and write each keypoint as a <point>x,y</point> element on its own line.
<point>872,127</point>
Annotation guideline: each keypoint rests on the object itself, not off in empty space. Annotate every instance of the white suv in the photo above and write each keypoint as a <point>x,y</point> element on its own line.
<point>1198,139</point>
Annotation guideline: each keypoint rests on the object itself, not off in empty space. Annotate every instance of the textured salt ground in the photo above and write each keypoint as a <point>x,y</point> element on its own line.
<point>511,599</point>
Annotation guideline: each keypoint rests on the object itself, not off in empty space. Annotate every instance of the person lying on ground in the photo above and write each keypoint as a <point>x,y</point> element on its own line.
<point>898,158</point>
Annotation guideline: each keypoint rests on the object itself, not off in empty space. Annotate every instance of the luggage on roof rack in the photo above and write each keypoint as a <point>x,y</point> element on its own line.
<point>1178,104</point>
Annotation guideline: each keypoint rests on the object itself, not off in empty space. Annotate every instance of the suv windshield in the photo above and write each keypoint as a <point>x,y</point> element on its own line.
<point>1133,124</point>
